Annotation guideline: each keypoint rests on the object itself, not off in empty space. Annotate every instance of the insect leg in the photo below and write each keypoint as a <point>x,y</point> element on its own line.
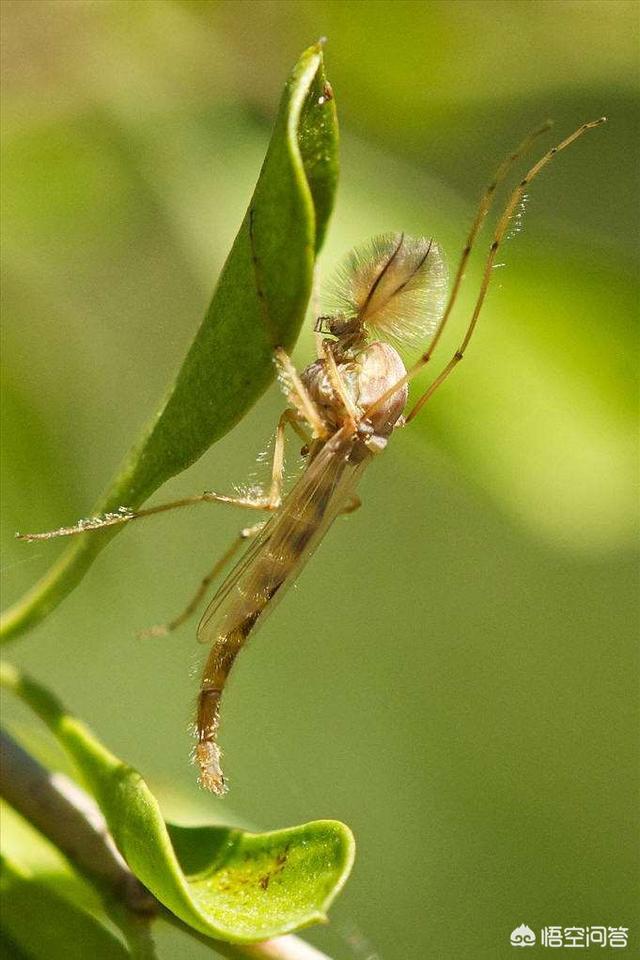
<point>275,492</point>
<point>498,237</point>
<point>277,468</point>
<point>338,384</point>
<point>298,395</point>
<point>125,515</point>
<point>162,629</point>
<point>483,208</point>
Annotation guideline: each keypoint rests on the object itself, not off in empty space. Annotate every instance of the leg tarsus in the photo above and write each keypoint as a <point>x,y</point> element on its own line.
<point>483,209</point>
<point>125,515</point>
<point>271,502</point>
<point>111,519</point>
<point>163,629</point>
<point>498,237</point>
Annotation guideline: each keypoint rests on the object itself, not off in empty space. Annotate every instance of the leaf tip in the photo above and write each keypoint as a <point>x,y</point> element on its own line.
<point>344,844</point>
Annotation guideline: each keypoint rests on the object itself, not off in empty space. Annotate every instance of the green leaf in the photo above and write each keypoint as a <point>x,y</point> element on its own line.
<point>259,303</point>
<point>42,925</point>
<point>9,950</point>
<point>226,883</point>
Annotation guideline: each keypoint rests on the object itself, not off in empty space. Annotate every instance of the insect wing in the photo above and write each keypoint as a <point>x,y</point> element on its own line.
<point>204,633</point>
<point>284,545</point>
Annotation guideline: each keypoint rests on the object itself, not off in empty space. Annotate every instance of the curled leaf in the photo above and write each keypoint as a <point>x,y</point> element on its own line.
<point>226,883</point>
<point>64,931</point>
<point>259,303</point>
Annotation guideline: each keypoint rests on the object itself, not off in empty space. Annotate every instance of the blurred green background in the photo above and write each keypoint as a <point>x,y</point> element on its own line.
<point>455,675</point>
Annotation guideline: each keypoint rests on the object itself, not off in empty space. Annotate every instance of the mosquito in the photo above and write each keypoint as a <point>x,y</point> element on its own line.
<point>388,295</point>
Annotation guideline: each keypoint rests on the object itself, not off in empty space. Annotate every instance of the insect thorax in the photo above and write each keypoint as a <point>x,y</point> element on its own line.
<point>366,376</point>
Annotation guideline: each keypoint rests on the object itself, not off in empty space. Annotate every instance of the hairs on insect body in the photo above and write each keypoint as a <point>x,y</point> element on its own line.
<point>396,285</point>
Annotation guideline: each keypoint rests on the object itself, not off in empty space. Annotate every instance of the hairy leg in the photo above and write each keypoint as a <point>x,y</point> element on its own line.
<point>125,515</point>
<point>498,237</point>
<point>298,395</point>
<point>162,629</point>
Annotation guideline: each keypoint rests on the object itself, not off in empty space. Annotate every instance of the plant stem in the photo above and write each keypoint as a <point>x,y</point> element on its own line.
<point>69,818</point>
<point>281,948</point>
<point>62,812</point>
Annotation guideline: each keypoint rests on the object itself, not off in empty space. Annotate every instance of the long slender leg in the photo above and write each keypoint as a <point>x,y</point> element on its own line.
<point>228,630</point>
<point>274,498</point>
<point>125,515</point>
<point>298,395</point>
<point>162,629</point>
<point>498,237</point>
<point>338,383</point>
<point>483,208</point>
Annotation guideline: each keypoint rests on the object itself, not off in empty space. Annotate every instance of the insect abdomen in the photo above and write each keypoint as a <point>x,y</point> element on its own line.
<point>289,541</point>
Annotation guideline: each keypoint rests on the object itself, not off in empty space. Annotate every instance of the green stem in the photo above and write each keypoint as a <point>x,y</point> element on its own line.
<point>45,595</point>
<point>63,813</point>
<point>67,816</point>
